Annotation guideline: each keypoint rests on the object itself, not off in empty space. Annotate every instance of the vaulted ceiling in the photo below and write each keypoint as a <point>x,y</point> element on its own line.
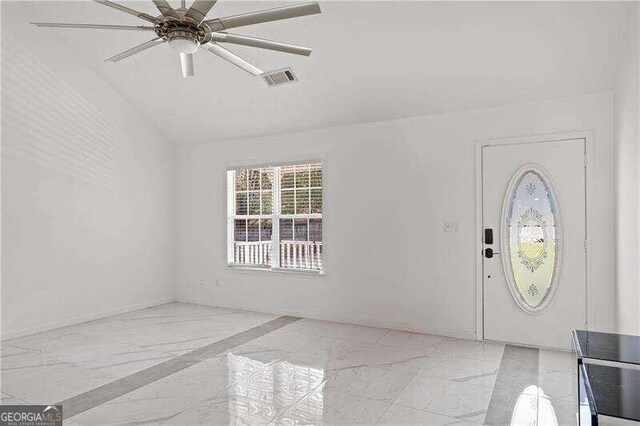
<point>372,61</point>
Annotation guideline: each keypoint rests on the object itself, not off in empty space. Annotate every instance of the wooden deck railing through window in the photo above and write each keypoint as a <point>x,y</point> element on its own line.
<point>293,254</point>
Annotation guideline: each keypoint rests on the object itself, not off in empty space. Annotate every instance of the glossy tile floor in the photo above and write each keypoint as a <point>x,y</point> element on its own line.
<point>187,364</point>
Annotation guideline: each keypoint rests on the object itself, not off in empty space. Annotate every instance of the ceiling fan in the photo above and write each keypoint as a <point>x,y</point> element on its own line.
<point>187,29</point>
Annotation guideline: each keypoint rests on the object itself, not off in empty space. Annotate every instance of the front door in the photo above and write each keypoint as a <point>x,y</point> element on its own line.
<point>534,242</point>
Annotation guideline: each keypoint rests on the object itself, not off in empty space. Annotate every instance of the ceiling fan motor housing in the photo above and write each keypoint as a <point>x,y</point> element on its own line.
<point>184,36</point>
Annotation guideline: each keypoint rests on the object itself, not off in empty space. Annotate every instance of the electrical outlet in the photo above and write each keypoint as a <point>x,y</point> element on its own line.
<point>451,227</point>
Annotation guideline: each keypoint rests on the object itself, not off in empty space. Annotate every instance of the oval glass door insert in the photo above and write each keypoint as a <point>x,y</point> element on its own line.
<point>531,234</point>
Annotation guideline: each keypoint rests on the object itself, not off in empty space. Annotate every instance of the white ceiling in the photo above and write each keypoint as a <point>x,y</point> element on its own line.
<point>372,61</point>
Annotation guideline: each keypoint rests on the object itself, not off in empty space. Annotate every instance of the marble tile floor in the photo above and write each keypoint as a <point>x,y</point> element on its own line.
<point>187,364</point>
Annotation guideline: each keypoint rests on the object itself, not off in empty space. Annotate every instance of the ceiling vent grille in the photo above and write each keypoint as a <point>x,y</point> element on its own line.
<point>279,77</point>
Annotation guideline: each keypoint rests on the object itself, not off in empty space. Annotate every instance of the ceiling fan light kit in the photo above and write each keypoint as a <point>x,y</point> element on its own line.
<point>187,29</point>
<point>183,41</point>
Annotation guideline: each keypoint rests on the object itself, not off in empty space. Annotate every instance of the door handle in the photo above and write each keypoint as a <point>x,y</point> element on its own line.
<point>489,253</point>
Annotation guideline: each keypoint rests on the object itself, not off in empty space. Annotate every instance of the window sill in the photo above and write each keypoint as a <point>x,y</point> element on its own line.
<point>285,271</point>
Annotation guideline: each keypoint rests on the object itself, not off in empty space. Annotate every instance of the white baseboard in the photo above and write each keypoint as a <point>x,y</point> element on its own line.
<point>84,318</point>
<point>460,334</point>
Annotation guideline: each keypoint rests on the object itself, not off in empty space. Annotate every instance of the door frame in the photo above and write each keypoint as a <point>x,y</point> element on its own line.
<point>587,135</point>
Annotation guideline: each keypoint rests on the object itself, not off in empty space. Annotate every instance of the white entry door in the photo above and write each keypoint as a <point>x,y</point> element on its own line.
<point>534,270</point>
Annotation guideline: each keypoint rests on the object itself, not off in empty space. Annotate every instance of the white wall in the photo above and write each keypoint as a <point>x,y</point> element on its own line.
<point>626,127</point>
<point>87,190</point>
<point>402,179</point>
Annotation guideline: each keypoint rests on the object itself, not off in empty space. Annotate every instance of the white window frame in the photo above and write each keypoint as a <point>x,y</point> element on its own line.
<point>276,216</point>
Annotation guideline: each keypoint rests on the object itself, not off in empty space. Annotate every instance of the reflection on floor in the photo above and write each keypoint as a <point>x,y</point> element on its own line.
<point>188,364</point>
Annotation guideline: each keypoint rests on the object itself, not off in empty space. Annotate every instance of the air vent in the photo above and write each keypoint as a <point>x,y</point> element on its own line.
<point>279,77</point>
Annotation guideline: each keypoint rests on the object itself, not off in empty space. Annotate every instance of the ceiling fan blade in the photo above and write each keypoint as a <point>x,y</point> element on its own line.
<point>93,26</point>
<point>268,15</point>
<point>260,43</point>
<point>199,9</point>
<point>165,8</point>
<point>234,59</point>
<point>186,61</point>
<point>128,10</point>
<point>134,50</point>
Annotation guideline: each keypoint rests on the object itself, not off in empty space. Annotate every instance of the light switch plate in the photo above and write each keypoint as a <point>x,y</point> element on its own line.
<point>452,227</point>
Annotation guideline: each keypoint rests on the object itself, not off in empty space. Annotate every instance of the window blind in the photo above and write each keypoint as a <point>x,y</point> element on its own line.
<point>274,217</point>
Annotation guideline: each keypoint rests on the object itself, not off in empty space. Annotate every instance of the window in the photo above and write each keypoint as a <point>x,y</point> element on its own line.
<point>274,217</point>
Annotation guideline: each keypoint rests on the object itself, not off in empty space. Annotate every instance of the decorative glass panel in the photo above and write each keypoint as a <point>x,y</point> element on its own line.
<point>532,238</point>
